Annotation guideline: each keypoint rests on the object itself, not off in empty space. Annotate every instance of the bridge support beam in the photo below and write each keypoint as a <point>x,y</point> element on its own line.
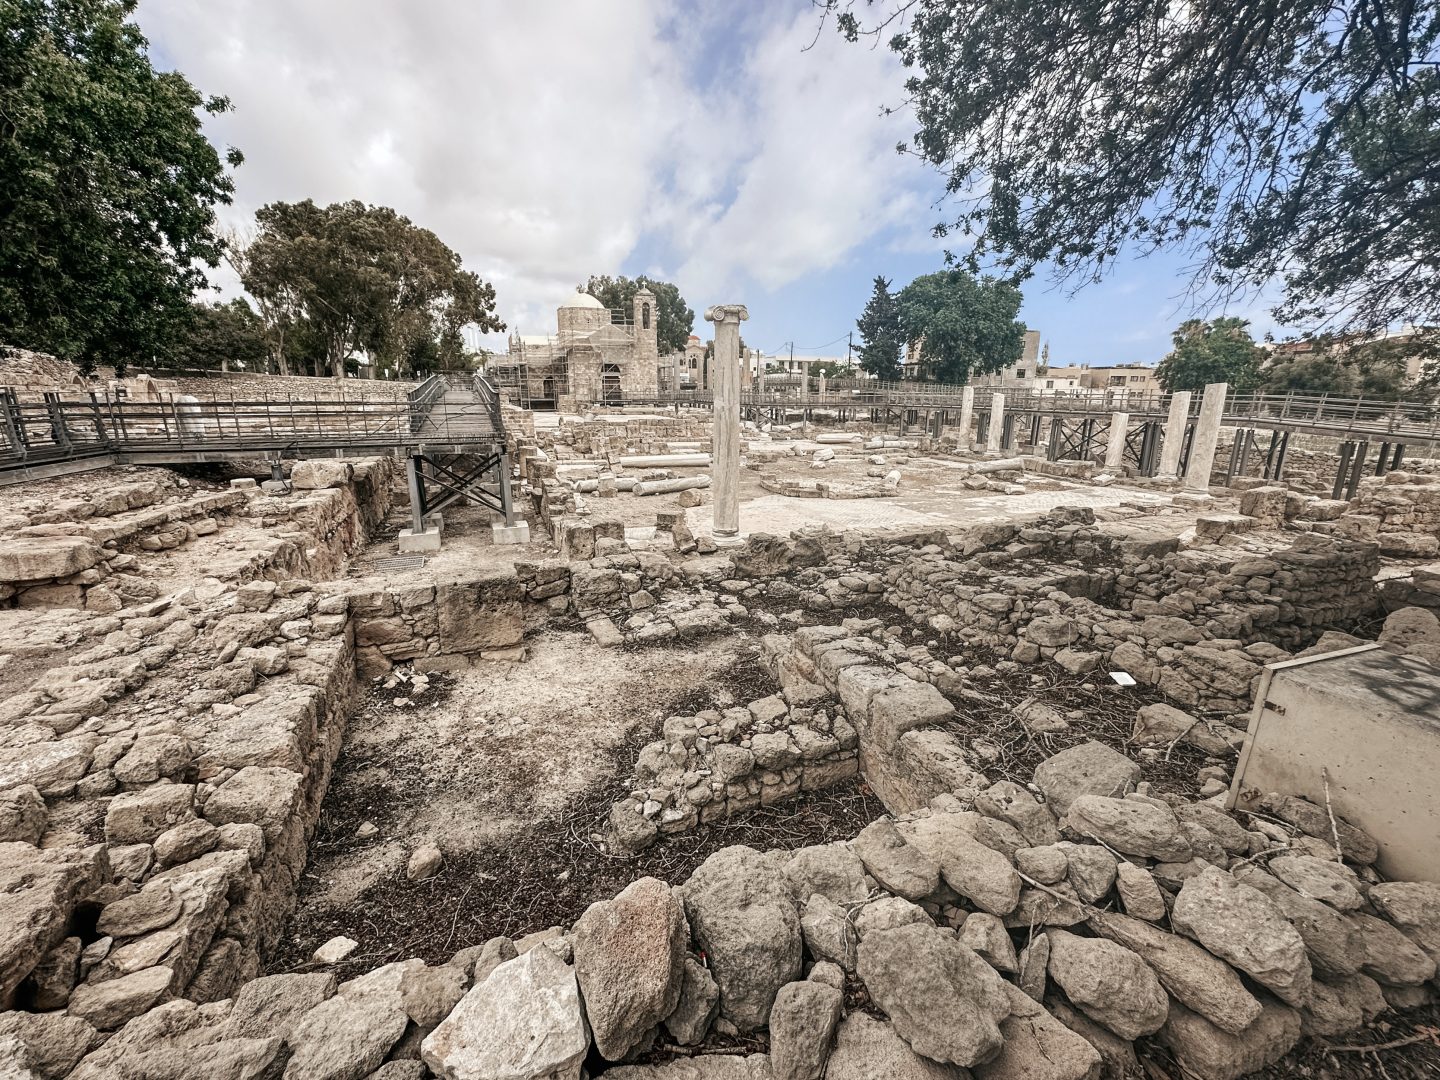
<point>509,531</point>
<point>1347,449</point>
<point>1115,448</point>
<point>1206,438</point>
<point>1357,468</point>
<point>995,432</point>
<point>1174,435</point>
<point>415,475</point>
<point>1149,447</point>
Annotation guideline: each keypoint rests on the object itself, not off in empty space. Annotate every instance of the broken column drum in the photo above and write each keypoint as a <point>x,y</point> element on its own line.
<point>726,431</point>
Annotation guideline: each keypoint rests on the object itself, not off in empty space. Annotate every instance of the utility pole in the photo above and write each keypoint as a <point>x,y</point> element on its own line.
<point>849,342</point>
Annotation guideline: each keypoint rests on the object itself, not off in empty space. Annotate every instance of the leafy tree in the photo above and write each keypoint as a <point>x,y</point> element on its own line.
<point>217,336</point>
<point>832,370</point>
<point>107,184</point>
<point>1332,365</point>
<point>965,325</point>
<point>1293,140</point>
<point>348,278</point>
<point>881,337</point>
<point>1221,350</point>
<point>675,318</point>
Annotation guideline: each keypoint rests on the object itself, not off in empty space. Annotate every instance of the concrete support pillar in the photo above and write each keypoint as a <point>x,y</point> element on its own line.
<point>1174,435</point>
<point>1115,448</point>
<point>967,416</point>
<point>997,423</point>
<point>725,379</point>
<point>1207,438</point>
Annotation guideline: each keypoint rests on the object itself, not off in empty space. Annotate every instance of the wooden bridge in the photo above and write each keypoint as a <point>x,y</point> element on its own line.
<point>453,438</point>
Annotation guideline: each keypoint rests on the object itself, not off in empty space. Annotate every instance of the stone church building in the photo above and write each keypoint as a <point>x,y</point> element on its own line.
<point>595,355</point>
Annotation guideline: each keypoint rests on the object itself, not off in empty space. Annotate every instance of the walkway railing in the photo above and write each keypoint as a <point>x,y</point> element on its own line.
<point>422,399</point>
<point>489,394</point>
<point>1416,422</point>
<point>34,433</point>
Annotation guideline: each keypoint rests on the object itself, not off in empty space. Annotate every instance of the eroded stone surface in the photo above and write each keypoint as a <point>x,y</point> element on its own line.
<point>524,1020</point>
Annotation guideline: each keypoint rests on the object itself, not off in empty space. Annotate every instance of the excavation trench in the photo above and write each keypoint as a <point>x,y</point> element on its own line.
<point>511,770</point>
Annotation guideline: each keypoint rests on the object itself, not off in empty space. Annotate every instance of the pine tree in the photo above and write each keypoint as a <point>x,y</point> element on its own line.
<point>880,334</point>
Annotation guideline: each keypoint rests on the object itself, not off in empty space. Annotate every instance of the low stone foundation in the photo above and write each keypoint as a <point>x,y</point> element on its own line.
<point>716,765</point>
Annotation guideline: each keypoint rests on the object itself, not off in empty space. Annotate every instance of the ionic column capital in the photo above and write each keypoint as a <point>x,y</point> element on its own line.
<point>722,313</point>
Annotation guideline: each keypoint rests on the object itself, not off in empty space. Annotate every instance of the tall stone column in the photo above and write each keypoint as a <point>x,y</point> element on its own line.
<point>725,456</point>
<point>1207,437</point>
<point>967,417</point>
<point>1174,435</point>
<point>1115,448</point>
<point>679,358</point>
<point>997,423</point>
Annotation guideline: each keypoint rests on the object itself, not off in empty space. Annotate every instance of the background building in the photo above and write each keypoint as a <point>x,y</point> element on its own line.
<point>1024,370</point>
<point>596,354</point>
<point>1132,380</point>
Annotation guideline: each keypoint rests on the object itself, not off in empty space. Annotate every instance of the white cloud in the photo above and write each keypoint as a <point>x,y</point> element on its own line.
<point>546,141</point>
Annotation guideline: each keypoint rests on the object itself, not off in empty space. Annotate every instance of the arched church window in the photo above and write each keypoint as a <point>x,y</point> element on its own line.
<point>645,316</point>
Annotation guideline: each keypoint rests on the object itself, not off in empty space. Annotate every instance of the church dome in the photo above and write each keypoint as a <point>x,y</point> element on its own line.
<point>582,300</point>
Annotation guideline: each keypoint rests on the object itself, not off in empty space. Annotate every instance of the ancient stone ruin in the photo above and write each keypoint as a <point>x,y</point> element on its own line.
<point>940,771</point>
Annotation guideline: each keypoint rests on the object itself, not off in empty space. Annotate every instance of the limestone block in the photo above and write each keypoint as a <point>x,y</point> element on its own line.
<point>524,1020</point>
<point>321,473</point>
<point>42,558</point>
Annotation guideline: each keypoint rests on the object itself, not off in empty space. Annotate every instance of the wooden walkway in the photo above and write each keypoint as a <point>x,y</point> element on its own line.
<point>63,434</point>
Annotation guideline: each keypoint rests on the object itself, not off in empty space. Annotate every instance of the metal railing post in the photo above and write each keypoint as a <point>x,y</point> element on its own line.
<point>14,428</point>
<point>58,432</point>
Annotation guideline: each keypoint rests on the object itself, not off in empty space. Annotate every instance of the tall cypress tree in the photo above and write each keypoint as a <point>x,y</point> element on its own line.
<point>881,338</point>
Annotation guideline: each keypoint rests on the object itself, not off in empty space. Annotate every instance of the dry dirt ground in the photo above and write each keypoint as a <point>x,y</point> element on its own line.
<point>488,762</point>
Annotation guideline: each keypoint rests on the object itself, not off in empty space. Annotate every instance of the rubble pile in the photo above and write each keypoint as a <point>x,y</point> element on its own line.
<point>1057,932</point>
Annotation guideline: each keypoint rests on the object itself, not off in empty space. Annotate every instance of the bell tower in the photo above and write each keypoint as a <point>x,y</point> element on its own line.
<point>647,340</point>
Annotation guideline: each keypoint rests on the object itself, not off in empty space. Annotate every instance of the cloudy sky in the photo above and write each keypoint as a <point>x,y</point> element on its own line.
<point>698,141</point>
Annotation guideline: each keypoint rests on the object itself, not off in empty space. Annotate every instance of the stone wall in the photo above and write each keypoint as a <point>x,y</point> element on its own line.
<point>437,625</point>
<point>195,734</point>
<point>1199,624</point>
<point>247,386</point>
<point>719,764</point>
<point>1400,513</point>
<point>78,553</point>
<point>641,434</point>
<point>83,553</point>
